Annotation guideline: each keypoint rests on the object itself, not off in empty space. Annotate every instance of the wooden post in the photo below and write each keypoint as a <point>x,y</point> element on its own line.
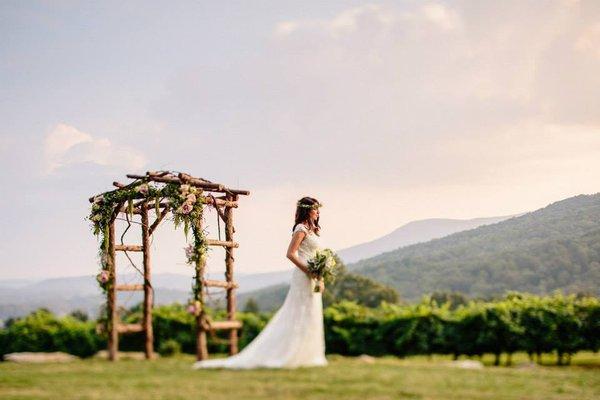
<point>113,316</point>
<point>147,323</point>
<point>201,343</point>
<point>231,306</point>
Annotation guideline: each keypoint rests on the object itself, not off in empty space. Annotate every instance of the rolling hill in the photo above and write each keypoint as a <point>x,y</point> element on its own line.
<point>556,247</point>
<point>411,233</point>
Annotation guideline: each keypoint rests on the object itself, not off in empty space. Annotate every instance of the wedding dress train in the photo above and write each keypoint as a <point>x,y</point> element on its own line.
<point>294,336</point>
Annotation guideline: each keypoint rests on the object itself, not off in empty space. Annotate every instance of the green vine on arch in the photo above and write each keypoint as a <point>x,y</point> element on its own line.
<point>187,206</point>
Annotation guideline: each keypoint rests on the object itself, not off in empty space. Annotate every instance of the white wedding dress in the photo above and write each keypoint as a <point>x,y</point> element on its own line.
<point>294,336</point>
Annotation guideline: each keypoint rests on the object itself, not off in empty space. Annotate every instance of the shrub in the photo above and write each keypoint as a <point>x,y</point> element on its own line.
<point>41,331</point>
<point>169,347</point>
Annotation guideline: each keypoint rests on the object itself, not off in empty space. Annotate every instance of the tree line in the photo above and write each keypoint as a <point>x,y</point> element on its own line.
<point>533,324</point>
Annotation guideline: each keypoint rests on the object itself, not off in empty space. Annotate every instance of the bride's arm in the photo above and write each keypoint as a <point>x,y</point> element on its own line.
<point>293,248</point>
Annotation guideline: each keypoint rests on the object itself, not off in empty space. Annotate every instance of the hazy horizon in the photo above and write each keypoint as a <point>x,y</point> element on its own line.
<point>237,272</point>
<point>387,112</point>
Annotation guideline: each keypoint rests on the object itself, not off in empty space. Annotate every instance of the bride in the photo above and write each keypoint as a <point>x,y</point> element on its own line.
<point>294,337</point>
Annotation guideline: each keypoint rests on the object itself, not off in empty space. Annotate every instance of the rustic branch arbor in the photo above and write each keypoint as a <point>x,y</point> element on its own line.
<point>184,196</point>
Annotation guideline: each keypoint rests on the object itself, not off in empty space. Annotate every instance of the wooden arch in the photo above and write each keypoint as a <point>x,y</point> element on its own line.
<point>145,207</point>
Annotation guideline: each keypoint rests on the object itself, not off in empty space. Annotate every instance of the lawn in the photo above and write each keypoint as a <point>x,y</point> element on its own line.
<point>344,378</point>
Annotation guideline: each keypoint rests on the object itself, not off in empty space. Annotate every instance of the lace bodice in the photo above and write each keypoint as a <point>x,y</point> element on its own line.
<point>309,245</point>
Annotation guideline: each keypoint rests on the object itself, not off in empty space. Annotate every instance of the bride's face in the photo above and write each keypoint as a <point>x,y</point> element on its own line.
<point>314,214</point>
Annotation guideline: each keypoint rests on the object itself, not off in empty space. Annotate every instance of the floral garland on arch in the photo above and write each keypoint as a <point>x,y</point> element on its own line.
<point>187,205</point>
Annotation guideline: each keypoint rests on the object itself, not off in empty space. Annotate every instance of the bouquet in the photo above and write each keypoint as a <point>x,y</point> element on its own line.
<point>322,264</point>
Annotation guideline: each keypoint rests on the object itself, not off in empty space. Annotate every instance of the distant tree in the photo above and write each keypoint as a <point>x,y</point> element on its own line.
<point>358,288</point>
<point>132,313</point>
<point>583,294</point>
<point>455,299</point>
<point>79,315</point>
<point>251,306</point>
<point>9,322</point>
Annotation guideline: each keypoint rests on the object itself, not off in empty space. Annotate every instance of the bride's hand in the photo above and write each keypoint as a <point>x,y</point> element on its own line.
<point>321,285</point>
<point>309,274</point>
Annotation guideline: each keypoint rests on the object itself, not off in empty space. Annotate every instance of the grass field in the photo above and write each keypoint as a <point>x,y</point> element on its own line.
<point>344,378</point>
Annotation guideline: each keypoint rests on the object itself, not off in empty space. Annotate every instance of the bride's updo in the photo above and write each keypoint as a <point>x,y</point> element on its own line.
<point>303,207</point>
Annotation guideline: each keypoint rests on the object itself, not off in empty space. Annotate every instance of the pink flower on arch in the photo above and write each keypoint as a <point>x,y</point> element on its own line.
<point>189,251</point>
<point>103,276</point>
<point>143,189</point>
<point>191,308</point>
<point>194,307</point>
<point>186,208</point>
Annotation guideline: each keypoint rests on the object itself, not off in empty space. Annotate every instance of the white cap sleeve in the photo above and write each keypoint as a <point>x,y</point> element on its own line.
<point>301,227</point>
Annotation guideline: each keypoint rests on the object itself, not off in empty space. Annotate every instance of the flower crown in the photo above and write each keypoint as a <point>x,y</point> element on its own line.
<point>313,206</point>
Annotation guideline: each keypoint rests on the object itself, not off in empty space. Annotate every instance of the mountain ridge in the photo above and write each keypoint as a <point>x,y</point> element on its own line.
<point>555,247</point>
<point>414,232</point>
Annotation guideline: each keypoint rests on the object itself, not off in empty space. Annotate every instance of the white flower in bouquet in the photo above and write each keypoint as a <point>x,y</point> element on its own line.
<point>322,264</point>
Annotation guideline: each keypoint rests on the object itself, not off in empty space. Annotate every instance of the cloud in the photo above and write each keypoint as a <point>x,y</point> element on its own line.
<point>382,92</point>
<point>5,143</point>
<point>527,152</point>
<point>441,16</point>
<point>362,18</point>
<point>285,28</point>
<point>345,22</point>
<point>66,145</point>
<point>589,40</point>
<point>442,50</point>
<point>413,76</point>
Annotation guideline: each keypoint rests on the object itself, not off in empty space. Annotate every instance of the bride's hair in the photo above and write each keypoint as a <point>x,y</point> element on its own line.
<point>303,208</point>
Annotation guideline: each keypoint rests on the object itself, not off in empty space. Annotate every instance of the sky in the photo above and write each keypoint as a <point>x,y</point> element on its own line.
<point>387,112</point>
